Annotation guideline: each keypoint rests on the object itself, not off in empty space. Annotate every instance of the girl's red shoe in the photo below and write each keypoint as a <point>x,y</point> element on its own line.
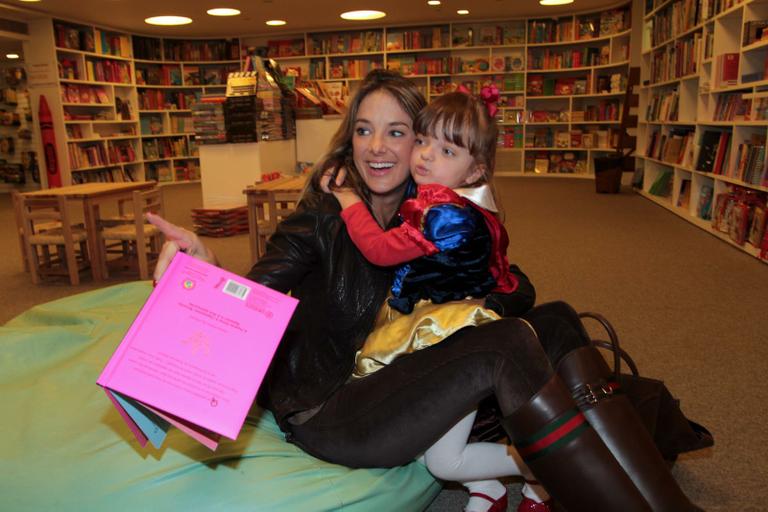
<point>499,505</point>
<point>528,505</point>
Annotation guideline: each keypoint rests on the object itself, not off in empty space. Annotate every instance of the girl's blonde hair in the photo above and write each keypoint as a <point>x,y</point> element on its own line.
<point>339,153</point>
<point>462,120</point>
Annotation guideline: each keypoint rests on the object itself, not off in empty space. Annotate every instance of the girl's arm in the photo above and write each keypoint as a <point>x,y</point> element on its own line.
<point>384,248</point>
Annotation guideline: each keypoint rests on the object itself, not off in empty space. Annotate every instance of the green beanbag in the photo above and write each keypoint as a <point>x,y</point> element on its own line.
<point>63,446</point>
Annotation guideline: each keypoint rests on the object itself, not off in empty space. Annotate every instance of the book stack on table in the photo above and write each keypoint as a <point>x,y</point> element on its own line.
<point>221,221</point>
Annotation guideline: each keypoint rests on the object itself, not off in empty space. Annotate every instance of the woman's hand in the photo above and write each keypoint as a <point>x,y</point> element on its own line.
<point>345,196</point>
<point>177,239</point>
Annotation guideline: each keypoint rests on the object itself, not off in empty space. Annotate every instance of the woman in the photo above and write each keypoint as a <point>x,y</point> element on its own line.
<point>392,416</point>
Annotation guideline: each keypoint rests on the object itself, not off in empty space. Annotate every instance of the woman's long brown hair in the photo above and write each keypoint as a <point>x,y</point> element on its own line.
<point>339,152</point>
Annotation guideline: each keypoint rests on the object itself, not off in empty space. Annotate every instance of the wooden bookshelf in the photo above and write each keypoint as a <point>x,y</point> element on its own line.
<point>118,97</point>
<point>704,71</point>
<point>441,56</point>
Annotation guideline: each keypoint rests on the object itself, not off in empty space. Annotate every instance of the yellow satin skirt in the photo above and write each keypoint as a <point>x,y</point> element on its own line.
<point>395,334</point>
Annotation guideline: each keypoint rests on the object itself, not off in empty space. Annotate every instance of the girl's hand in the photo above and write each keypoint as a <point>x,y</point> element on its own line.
<point>345,196</point>
<point>325,181</point>
<point>177,239</point>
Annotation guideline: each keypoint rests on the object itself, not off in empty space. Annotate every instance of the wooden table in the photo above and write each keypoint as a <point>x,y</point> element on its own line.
<point>93,196</point>
<point>268,203</point>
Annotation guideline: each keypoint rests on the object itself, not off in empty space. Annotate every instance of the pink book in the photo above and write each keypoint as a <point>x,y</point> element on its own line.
<point>198,350</point>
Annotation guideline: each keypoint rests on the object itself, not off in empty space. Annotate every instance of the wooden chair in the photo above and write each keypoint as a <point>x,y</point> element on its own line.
<point>45,224</point>
<point>138,243</point>
<point>277,206</point>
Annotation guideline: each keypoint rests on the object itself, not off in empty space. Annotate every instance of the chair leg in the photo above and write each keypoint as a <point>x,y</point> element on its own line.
<point>34,262</point>
<point>46,256</point>
<point>71,263</point>
<point>141,254</point>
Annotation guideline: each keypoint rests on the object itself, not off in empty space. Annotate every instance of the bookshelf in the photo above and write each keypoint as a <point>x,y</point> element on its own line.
<point>704,115</point>
<point>558,78</point>
<point>122,103</point>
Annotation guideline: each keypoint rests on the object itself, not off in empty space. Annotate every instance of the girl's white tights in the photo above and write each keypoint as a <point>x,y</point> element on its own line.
<point>477,466</point>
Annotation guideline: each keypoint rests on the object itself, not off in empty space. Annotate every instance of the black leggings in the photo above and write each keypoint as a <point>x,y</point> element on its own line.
<point>389,418</point>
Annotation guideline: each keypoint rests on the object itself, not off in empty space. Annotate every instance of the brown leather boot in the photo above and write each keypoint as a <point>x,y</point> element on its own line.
<point>568,457</point>
<point>610,413</point>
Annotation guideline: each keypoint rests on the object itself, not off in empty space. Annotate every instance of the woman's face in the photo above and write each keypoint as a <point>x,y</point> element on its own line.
<point>382,142</point>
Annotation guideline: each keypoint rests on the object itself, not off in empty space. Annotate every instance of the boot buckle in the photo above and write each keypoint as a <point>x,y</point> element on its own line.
<point>591,394</point>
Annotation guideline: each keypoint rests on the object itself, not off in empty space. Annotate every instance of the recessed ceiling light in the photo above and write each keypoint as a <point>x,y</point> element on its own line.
<point>433,2</point>
<point>223,11</point>
<point>275,23</point>
<point>30,1</point>
<point>462,12</point>
<point>11,55</point>
<point>362,15</point>
<point>555,2</point>
<point>168,20</point>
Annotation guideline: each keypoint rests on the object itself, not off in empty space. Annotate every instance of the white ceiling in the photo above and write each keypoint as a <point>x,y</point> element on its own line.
<point>301,15</point>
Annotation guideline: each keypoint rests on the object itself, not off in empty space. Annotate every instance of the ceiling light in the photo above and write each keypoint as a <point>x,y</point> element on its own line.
<point>362,15</point>
<point>464,11</point>
<point>275,23</point>
<point>168,20</point>
<point>433,2</point>
<point>223,11</point>
<point>555,2</point>
<point>11,55</point>
<point>30,1</point>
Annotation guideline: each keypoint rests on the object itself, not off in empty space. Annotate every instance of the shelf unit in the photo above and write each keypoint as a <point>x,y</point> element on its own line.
<point>704,112</point>
<point>121,103</point>
<point>536,63</point>
<point>19,141</point>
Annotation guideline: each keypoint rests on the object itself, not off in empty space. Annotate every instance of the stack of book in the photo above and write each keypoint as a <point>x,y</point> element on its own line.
<point>208,119</point>
<point>219,222</point>
<point>241,114</point>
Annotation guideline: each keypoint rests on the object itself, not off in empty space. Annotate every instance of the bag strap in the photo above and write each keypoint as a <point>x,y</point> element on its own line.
<point>613,345</point>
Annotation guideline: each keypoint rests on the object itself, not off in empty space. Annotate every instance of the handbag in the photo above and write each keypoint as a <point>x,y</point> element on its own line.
<point>672,432</point>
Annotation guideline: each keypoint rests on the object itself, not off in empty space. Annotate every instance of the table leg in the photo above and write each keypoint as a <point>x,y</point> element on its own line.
<point>91,214</point>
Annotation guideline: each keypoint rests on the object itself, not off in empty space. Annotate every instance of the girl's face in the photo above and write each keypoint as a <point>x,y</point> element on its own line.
<point>382,143</point>
<point>436,160</point>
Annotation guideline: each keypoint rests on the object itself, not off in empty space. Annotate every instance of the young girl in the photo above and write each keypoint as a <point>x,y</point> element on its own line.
<point>451,251</point>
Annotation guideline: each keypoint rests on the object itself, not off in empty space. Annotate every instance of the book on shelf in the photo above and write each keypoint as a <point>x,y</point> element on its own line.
<point>727,71</point>
<point>662,185</point>
<point>588,26</point>
<point>110,43</point>
<point>721,156</point>
<point>704,205</point>
<point>732,107</point>
<point>750,160</point>
<point>613,21</point>
<point>663,107</point>
<point>196,354</point>
<point>684,194</point>
<point>754,31</point>
<point>710,144</point>
<point>757,228</point>
<point>541,165</point>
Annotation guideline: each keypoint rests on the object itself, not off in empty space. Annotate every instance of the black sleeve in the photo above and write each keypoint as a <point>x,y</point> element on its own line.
<point>295,247</point>
<point>516,303</point>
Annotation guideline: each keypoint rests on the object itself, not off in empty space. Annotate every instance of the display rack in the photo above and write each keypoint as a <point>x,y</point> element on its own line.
<point>19,166</point>
<point>561,80</point>
<point>704,122</point>
<point>122,103</point>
